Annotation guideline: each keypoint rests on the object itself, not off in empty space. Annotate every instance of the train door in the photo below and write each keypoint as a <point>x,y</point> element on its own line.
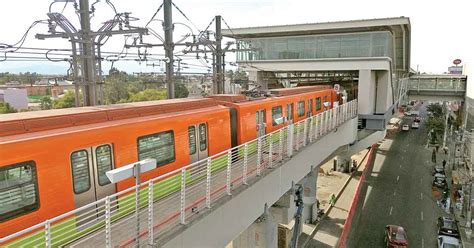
<point>310,107</point>
<point>289,111</point>
<point>88,168</point>
<point>261,123</point>
<point>198,144</point>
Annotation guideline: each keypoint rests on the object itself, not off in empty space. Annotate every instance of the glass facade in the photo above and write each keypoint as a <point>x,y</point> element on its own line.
<point>437,84</point>
<point>370,44</point>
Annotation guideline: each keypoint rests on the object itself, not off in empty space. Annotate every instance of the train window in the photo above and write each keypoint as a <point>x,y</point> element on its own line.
<point>104,163</point>
<point>300,108</point>
<point>277,114</point>
<point>80,171</point>
<point>18,190</point>
<point>159,146</point>
<point>192,139</point>
<point>318,103</point>
<point>202,137</point>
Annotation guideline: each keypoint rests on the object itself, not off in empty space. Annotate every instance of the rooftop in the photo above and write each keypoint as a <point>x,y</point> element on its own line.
<point>363,25</point>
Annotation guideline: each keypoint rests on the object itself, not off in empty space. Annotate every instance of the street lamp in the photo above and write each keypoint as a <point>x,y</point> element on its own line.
<point>129,171</point>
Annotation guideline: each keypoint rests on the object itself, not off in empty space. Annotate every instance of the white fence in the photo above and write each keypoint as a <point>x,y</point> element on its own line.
<point>176,198</point>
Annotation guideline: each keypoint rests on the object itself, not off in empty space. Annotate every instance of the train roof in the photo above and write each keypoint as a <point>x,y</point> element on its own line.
<point>26,122</point>
<point>298,90</point>
<point>237,98</point>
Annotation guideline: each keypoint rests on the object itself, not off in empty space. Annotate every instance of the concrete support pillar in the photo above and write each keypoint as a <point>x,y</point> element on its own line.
<point>257,76</point>
<point>284,209</point>
<point>384,92</point>
<point>309,196</point>
<point>343,161</point>
<point>262,233</point>
<point>367,92</point>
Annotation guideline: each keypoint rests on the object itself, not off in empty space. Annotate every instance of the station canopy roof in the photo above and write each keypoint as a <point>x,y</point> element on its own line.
<point>338,27</point>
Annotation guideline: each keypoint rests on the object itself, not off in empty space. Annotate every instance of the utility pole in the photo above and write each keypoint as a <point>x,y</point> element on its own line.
<point>88,56</point>
<point>446,124</point>
<point>299,214</point>
<point>219,81</point>
<point>169,46</point>
<point>84,43</point>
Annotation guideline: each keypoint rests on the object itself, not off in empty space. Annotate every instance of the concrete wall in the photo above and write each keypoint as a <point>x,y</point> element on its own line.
<point>17,98</point>
<point>469,72</point>
<point>384,92</point>
<point>225,222</point>
<point>42,89</point>
<point>367,90</point>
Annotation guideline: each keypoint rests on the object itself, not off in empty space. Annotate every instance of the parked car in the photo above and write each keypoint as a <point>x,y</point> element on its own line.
<point>405,127</point>
<point>412,113</point>
<point>440,181</point>
<point>417,119</point>
<point>438,169</point>
<point>448,226</point>
<point>415,125</point>
<point>448,242</point>
<point>395,236</point>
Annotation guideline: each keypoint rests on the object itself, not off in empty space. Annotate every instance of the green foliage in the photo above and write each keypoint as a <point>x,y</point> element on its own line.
<point>24,78</point>
<point>436,109</point>
<point>180,90</point>
<point>238,77</point>
<point>7,77</point>
<point>46,103</point>
<point>148,95</point>
<point>435,124</point>
<point>5,108</point>
<point>66,101</point>
<point>116,84</point>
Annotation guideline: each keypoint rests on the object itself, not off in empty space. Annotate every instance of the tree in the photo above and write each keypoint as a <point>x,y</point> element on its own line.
<point>46,103</point>
<point>29,78</point>
<point>66,101</point>
<point>180,90</point>
<point>435,124</point>
<point>148,95</point>
<point>116,86</point>
<point>436,109</point>
<point>6,108</point>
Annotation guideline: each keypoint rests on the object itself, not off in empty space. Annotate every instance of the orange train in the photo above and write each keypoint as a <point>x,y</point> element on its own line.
<point>54,161</point>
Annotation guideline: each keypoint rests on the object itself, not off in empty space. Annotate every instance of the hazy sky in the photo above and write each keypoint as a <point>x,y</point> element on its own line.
<point>440,30</point>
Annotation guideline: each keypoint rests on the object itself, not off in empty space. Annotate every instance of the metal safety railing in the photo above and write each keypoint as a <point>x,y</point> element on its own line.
<point>178,197</point>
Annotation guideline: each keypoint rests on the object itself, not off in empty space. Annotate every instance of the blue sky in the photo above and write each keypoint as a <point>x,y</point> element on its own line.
<point>440,29</point>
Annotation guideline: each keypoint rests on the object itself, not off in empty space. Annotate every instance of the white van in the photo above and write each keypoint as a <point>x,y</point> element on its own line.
<point>415,125</point>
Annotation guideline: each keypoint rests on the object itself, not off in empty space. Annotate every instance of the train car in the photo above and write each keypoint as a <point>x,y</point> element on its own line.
<point>257,117</point>
<point>54,161</point>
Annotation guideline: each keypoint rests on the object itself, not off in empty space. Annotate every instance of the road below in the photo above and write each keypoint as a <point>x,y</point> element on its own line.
<point>398,191</point>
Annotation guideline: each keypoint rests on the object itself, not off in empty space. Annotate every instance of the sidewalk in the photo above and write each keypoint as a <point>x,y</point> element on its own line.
<point>467,239</point>
<point>326,233</point>
<point>458,177</point>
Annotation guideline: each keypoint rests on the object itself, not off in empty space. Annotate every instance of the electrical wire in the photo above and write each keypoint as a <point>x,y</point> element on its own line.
<point>112,6</point>
<point>182,13</point>
<point>4,46</point>
<point>153,16</point>
<point>227,25</point>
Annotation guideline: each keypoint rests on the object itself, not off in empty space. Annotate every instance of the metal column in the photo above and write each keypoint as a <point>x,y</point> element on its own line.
<point>219,81</point>
<point>88,55</point>
<point>169,46</point>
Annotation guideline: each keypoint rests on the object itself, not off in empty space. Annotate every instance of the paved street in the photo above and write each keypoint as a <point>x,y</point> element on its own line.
<point>398,191</point>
